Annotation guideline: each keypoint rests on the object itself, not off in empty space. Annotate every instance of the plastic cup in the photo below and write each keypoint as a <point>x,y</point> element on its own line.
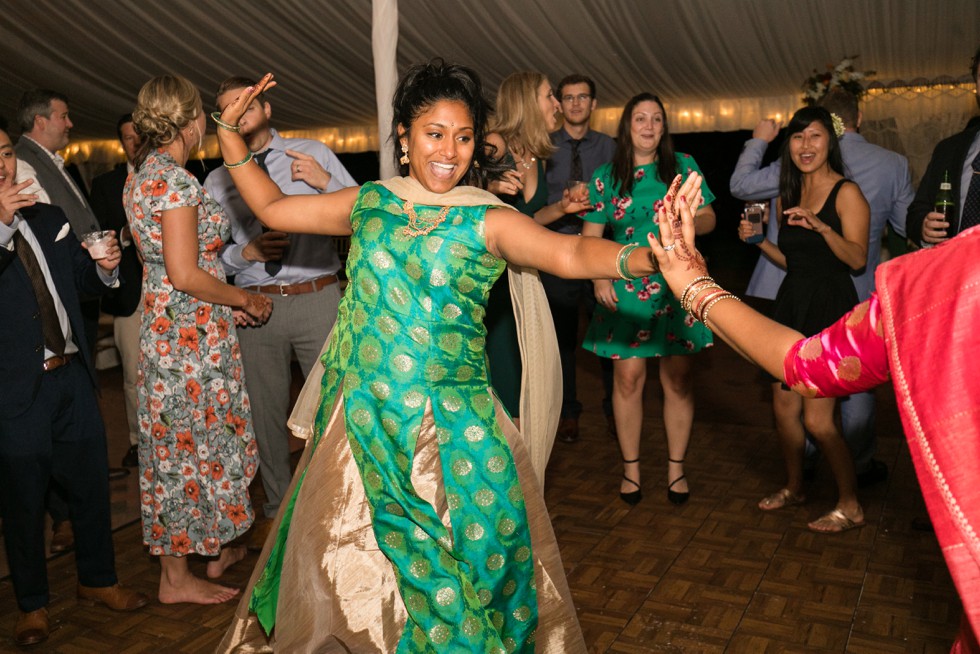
<point>98,244</point>
<point>578,191</point>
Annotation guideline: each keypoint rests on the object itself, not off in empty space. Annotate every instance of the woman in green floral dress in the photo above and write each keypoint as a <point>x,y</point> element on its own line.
<point>638,319</point>
<point>415,522</point>
<point>197,451</point>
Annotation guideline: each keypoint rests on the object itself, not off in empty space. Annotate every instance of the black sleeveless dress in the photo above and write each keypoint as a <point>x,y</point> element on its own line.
<point>817,289</point>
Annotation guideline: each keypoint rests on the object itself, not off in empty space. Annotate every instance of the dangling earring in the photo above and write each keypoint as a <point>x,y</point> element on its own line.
<point>404,159</point>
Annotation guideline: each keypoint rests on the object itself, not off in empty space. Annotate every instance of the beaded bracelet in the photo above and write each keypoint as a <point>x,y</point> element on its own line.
<point>241,163</point>
<point>726,296</point>
<point>706,299</point>
<point>684,299</point>
<point>697,289</point>
<point>216,117</point>
<point>622,261</point>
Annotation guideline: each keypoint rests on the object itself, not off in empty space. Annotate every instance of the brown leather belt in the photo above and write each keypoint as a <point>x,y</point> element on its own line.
<point>56,362</point>
<point>311,286</point>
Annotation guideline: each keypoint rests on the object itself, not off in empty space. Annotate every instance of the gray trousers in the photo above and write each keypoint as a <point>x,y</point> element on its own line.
<point>300,324</point>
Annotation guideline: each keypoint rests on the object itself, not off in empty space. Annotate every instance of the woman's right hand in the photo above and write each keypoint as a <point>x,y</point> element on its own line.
<point>233,113</point>
<point>510,183</point>
<point>605,294</point>
<point>679,261</point>
<point>258,307</point>
<point>745,229</point>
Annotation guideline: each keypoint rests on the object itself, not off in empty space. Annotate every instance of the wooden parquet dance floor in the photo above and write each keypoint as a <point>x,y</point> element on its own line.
<point>714,575</point>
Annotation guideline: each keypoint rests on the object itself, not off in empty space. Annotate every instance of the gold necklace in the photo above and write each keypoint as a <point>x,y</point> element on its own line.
<point>422,226</point>
<point>520,160</point>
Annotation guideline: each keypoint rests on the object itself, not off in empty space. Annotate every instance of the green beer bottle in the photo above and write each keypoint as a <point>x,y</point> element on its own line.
<point>944,199</point>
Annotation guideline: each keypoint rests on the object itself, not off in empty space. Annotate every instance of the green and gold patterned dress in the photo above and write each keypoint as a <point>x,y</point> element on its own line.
<point>416,523</point>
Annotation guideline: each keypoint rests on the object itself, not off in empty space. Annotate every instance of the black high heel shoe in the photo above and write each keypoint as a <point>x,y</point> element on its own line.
<point>634,497</point>
<point>673,496</point>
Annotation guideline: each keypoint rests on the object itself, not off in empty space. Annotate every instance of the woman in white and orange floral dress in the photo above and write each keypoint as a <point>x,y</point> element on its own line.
<point>197,451</point>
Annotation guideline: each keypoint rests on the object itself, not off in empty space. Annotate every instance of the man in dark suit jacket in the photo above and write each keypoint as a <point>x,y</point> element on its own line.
<point>45,125</point>
<point>955,156</point>
<point>124,302</point>
<point>50,425</point>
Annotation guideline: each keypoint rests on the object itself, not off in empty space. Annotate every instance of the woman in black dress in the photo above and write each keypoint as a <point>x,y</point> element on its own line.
<point>823,235</point>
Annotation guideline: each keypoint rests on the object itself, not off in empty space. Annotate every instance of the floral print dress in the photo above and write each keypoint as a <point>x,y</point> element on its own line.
<point>197,450</point>
<point>648,321</point>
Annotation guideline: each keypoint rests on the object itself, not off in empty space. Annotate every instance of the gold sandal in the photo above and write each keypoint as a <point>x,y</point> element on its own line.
<point>780,499</point>
<point>836,520</point>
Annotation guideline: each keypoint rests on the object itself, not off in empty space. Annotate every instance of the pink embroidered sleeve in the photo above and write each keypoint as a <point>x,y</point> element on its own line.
<point>847,357</point>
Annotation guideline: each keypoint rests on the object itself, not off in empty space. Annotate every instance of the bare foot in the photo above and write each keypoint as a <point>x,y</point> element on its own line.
<point>194,590</point>
<point>229,556</point>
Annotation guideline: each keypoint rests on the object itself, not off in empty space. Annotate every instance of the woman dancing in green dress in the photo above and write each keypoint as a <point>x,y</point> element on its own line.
<point>415,521</point>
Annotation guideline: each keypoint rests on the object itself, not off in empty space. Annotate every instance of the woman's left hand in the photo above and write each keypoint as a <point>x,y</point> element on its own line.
<point>568,205</point>
<point>233,113</point>
<point>800,217</point>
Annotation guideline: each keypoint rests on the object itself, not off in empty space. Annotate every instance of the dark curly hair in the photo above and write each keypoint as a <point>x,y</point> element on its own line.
<point>790,177</point>
<point>422,86</point>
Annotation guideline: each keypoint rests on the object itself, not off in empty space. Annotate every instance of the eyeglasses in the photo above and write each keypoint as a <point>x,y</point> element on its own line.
<point>581,97</point>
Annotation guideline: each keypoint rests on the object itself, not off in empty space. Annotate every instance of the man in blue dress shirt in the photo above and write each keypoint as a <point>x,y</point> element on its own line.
<point>299,272</point>
<point>883,177</point>
<point>580,151</point>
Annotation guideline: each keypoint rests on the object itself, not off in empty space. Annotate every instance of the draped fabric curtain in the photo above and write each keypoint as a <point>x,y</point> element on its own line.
<point>718,64</point>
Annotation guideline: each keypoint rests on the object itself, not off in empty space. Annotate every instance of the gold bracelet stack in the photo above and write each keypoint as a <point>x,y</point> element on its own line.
<point>701,295</point>
<point>241,163</point>
<point>692,290</point>
<point>622,261</point>
<point>216,117</point>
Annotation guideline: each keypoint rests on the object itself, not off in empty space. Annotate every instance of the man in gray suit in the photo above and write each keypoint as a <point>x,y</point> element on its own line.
<point>883,177</point>
<point>44,125</point>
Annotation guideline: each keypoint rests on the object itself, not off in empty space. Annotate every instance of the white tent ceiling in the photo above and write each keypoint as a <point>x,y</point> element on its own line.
<point>99,52</point>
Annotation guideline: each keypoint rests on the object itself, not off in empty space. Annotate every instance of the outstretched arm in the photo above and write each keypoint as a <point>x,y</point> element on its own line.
<point>523,242</point>
<point>305,214</point>
<point>757,338</point>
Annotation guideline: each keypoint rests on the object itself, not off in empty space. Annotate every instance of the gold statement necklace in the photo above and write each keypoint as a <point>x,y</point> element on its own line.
<point>422,226</point>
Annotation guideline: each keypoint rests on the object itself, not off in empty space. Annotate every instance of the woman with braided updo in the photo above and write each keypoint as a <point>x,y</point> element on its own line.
<point>197,451</point>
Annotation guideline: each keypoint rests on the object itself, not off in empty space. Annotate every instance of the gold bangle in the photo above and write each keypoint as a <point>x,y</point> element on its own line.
<point>239,164</point>
<point>705,299</point>
<point>702,278</point>
<point>713,303</point>
<point>688,300</point>
<point>216,117</point>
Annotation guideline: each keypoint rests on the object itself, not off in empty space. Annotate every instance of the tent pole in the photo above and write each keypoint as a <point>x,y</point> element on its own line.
<point>384,46</point>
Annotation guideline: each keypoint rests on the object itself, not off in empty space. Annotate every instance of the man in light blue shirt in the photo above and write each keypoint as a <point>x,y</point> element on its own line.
<point>299,272</point>
<point>883,177</point>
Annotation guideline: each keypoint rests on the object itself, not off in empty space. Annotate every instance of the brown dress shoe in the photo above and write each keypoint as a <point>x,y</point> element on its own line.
<point>568,430</point>
<point>115,597</point>
<point>63,537</point>
<point>32,627</point>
